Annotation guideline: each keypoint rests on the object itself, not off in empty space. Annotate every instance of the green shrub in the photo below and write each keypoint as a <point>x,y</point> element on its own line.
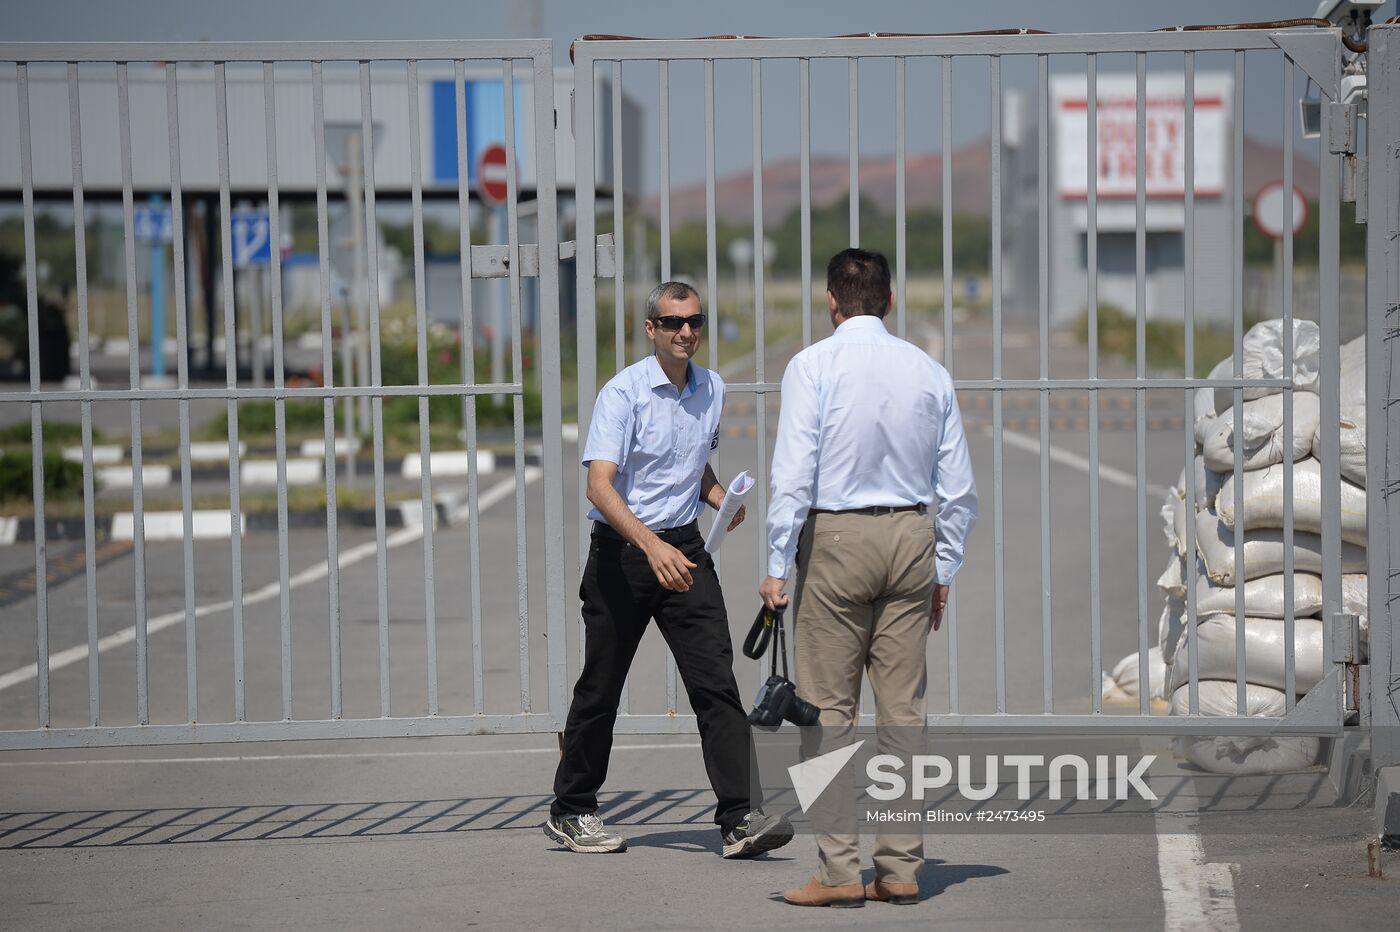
<point>54,432</point>
<point>62,479</point>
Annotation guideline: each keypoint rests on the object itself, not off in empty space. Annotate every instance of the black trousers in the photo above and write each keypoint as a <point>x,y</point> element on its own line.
<point>620,596</point>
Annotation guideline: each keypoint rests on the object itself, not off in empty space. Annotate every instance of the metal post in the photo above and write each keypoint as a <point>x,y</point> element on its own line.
<point>356,335</point>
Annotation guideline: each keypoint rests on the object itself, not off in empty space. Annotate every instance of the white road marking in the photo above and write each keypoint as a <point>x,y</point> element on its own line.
<point>79,652</point>
<point>1195,895</point>
<point>353,755</point>
<point>1066,458</point>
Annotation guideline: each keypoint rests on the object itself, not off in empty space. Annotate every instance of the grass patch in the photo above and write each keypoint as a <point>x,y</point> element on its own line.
<point>1165,341</point>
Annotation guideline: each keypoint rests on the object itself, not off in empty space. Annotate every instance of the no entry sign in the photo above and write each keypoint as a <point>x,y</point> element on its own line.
<point>491,175</point>
<point>1269,209</point>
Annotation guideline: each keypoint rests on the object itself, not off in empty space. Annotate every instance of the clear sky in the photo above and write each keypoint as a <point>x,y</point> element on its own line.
<point>564,20</point>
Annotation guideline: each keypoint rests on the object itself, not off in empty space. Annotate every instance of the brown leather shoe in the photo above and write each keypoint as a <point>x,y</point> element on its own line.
<point>817,893</point>
<point>901,894</point>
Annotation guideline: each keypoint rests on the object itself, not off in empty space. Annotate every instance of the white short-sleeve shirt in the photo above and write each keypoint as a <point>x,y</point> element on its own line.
<point>659,438</point>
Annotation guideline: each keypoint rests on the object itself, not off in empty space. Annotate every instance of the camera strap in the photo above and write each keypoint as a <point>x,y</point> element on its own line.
<point>779,645</point>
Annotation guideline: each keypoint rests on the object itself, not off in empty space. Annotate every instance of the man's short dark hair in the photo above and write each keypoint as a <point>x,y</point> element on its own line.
<point>671,291</point>
<point>860,282</point>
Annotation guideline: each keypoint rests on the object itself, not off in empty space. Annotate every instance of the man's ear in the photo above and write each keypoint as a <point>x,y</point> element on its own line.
<point>830,301</point>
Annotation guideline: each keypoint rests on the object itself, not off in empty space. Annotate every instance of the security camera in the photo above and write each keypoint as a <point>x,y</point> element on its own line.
<point>1341,12</point>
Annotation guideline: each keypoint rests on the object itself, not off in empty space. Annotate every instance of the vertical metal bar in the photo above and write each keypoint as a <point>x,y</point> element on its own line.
<point>464,229</point>
<point>1043,235</point>
<point>760,341</point>
<point>585,318</point>
<point>619,248</point>
<point>900,238</point>
<point>804,108</point>
<point>1189,401</point>
<point>138,483</point>
<point>664,150</point>
<point>549,375</point>
<point>853,144</point>
<point>1289,661</point>
<point>182,375</point>
<point>1140,395</point>
<point>711,245</point>
<point>376,381</point>
<point>518,376</point>
<point>998,485</point>
<point>1237,306</point>
<point>85,381</point>
<point>1382,296</point>
<point>318,107</point>
<point>420,303</point>
<point>663,68</point>
<point>230,382</point>
<point>1329,402</point>
<point>279,381</point>
<point>946,114</point>
<point>1092,244</point>
<point>36,423</point>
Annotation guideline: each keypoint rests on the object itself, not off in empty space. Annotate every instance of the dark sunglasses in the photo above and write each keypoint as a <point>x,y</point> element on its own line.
<point>674,322</point>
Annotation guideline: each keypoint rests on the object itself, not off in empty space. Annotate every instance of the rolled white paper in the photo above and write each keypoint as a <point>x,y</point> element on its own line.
<point>733,498</point>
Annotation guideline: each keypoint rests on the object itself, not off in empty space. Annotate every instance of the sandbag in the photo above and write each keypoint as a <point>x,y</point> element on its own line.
<point>1263,359</point>
<point>1169,628</point>
<point>1123,683</point>
<point>1264,499</point>
<point>1203,402</point>
<point>1263,552</point>
<point>1172,582</point>
<point>1263,597</point>
<point>1241,755</point>
<point>1170,503</point>
<point>1261,437</point>
<point>1352,435</point>
<point>1263,652</point>
<point>1208,483</point>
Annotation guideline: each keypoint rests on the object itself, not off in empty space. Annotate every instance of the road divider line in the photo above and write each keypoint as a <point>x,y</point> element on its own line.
<point>1066,458</point>
<point>1196,895</point>
<point>79,652</point>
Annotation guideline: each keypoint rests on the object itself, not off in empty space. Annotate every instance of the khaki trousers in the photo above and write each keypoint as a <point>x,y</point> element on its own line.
<point>861,602</point>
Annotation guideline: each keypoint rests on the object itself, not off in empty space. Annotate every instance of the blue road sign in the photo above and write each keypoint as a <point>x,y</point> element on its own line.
<point>153,225</point>
<point>252,238</point>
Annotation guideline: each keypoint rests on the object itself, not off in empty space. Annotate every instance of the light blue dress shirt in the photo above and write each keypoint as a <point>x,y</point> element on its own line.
<point>659,438</point>
<point>869,419</point>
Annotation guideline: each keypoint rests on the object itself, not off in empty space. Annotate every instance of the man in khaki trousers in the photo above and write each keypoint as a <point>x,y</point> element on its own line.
<point>869,439</point>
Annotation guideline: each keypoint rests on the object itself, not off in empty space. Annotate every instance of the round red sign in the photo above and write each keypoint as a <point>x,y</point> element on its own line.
<point>491,174</point>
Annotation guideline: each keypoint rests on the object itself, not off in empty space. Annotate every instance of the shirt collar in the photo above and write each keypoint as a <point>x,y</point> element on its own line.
<point>862,323</point>
<point>659,378</point>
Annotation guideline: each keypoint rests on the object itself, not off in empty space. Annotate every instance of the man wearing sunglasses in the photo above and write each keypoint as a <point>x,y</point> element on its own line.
<point>654,427</point>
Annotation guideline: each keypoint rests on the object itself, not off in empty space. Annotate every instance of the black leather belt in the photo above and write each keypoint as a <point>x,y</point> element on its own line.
<point>669,535</point>
<point>920,508</point>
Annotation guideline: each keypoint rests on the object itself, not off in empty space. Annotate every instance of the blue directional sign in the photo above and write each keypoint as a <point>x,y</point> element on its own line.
<point>153,225</point>
<point>252,238</point>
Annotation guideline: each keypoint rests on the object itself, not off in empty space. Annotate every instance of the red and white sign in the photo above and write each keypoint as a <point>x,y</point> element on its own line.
<point>1269,205</point>
<point>492,175</point>
<point>1164,172</point>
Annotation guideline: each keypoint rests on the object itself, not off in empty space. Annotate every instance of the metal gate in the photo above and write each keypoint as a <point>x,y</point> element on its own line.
<point>1020,383</point>
<point>235,677</point>
<point>1020,614</point>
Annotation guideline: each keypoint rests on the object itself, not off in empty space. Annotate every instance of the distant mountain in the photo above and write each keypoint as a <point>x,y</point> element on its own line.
<point>972,177</point>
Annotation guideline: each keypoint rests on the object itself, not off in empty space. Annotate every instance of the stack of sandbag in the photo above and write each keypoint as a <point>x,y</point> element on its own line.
<point>1257,439</point>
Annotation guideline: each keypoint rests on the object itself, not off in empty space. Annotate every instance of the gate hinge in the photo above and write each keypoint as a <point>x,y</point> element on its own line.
<point>1341,132</point>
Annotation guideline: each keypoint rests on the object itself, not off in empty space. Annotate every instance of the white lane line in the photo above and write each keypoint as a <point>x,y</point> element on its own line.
<point>1066,458</point>
<point>79,652</point>
<point>354,755</point>
<point>1195,895</point>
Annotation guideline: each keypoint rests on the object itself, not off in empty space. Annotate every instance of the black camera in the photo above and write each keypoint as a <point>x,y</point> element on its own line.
<point>778,701</point>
